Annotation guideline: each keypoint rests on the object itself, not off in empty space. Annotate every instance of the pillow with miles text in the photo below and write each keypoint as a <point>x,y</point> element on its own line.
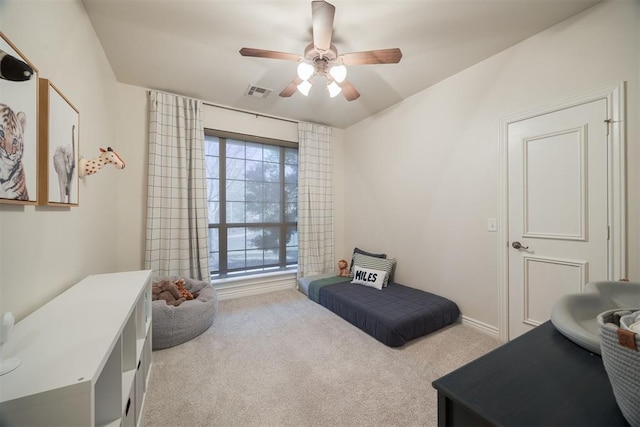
<point>357,250</point>
<point>368,277</point>
<point>386,265</point>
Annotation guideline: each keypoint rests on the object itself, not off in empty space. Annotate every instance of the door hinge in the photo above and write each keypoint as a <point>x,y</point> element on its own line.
<point>607,123</point>
<point>608,232</point>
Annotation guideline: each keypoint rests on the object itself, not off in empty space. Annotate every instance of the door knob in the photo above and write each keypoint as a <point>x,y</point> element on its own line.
<point>517,245</point>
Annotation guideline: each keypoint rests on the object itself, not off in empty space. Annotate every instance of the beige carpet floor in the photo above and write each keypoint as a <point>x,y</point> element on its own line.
<point>279,359</point>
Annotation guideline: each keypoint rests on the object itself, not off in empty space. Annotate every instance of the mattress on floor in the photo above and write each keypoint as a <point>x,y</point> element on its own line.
<point>394,315</point>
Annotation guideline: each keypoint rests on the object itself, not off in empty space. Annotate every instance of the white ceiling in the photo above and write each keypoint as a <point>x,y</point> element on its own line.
<point>190,47</point>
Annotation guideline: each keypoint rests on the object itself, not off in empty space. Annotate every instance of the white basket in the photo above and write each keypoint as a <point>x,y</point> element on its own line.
<point>622,364</point>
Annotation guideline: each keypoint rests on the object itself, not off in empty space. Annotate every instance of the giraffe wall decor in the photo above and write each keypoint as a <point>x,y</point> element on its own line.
<point>91,166</point>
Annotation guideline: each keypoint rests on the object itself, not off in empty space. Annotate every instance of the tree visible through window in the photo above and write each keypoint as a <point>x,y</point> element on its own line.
<point>252,202</point>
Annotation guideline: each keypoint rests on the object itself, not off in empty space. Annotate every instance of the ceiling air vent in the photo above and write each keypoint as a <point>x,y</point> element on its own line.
<point>257,91</point>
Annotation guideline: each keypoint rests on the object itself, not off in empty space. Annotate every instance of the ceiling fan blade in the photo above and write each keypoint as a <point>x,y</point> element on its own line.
<point>381,56</point>
<point>261,53</point>
<point>291,88</point>
<point>348,91</point>
<point>322,14</point>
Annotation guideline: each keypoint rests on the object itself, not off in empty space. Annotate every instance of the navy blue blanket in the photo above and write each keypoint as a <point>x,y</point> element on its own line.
<point>394,315</point>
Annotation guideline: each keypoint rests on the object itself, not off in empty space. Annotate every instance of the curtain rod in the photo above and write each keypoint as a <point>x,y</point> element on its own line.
<point>250,113</point>
<point>232,109</point>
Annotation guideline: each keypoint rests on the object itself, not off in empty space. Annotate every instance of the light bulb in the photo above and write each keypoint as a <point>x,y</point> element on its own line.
<point>305,70</point>
<point>304,87</point>
<point>334,89</point>
<point>338,72</point>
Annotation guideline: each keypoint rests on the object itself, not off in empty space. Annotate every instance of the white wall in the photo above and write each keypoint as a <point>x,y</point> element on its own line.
<point>44,250</point>
<point>423,175</point>
<point>132,186</point>
<point>132,136</point>
<point>417,181</point>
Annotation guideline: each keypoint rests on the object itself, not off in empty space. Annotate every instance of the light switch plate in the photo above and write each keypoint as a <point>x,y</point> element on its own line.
<point>492,224</point>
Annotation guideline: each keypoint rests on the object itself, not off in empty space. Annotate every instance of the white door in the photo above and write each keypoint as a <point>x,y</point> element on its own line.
<point>558,204</point>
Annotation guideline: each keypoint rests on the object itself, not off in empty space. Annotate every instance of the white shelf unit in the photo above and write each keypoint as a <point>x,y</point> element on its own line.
<point>86,356</point>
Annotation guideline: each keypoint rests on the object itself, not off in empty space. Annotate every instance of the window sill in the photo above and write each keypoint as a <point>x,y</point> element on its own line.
<point>233,282</point>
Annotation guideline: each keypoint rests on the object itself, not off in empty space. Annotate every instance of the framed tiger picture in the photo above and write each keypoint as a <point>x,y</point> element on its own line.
<point>18,126</point>
<point>58,156</point>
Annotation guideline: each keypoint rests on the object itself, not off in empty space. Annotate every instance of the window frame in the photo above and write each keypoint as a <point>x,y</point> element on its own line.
<point>223,227</point>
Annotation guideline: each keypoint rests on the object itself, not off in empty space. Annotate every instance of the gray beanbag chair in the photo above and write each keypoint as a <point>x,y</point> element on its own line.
<point>173,325</point>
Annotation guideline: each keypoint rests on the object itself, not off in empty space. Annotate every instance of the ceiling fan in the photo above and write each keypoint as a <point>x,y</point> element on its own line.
<point>321,57</point>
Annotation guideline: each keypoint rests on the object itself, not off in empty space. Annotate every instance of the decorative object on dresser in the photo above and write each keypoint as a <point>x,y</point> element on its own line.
<point>575,315</point>
<point>619,331</point>
<point>7,365</point>
<point>86,356</point>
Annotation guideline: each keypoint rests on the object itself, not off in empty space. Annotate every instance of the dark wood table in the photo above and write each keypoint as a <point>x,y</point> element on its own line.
<point>538,379</point>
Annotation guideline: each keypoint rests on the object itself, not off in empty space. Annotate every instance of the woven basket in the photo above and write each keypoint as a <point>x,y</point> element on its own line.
<point>621,363</point>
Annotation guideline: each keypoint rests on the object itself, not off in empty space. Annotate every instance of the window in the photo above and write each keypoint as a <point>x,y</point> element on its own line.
<point>253,204</point>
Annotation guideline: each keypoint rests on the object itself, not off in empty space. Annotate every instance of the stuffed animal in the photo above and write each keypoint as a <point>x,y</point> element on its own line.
<point>91,166</point>
<point>168,291</point>
<point>183,291</point>
<point>343,266</point>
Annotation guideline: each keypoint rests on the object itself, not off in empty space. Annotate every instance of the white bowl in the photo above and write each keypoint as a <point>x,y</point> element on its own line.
<point>574,315</point>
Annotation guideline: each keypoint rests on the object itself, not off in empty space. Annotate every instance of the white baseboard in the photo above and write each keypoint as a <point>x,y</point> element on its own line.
<point>255,287</point>
<point>484,327</point>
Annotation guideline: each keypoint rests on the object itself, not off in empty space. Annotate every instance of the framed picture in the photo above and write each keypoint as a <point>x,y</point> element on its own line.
<point>18,126</point>
<point>59,145</point>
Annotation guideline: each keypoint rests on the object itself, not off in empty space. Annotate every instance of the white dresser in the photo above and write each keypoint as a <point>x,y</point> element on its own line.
<point>85,356</point>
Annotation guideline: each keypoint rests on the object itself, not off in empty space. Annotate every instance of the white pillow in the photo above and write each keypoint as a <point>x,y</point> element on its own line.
<point>368,277</point>
<point>365,261</point>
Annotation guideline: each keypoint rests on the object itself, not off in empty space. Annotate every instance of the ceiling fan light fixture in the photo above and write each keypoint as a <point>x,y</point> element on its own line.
<point>304,87</point>
<point>305,70</point>
<point>334,89</point>
<point>321,57</point>
<point>338,72</point>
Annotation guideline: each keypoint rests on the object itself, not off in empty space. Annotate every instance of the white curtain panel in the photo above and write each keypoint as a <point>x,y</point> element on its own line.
<point>315,200</point>
<point>177,225</point>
